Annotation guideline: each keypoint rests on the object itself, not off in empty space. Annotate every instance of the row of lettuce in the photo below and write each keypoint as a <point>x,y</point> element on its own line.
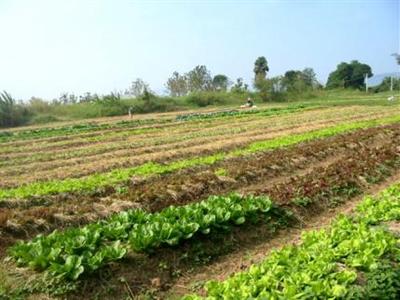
<point>119,177</point>
<point>358,257</point>
<point>75,251</point>
<point>7,136</point>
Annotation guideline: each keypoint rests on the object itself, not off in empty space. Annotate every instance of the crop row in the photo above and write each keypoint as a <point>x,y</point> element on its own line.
<point>132,141</point>
<point>178,128</point>
<point>356,258</point>
<point>239,113</point>
<point>7,136</point>
<point>119,176</point>
<point>86,165</point>
<point>70,253</point>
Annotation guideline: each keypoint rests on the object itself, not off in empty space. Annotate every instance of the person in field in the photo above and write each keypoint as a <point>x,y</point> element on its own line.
<point>249,104</point>
<point>130,112</point>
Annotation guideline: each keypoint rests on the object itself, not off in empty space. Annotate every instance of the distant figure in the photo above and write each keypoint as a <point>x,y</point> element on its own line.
<point>249,104</point>
<point>391,98</point>
<point>130,112</point>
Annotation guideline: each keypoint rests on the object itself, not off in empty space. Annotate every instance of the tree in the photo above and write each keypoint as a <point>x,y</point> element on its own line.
<point>349,75</point>
<point>260,68</point>
<point>386,83</point>
<point>220,82</point>
<point>137,88</point>
<point>260,74</point>
<point>177,85</point>
<point>199,79</point>
<point>310,78</point>
<point>11,113</point>
<point>299,81</point>
<point>397,57</point>
<point>7,104</point>
<point>239,86</point>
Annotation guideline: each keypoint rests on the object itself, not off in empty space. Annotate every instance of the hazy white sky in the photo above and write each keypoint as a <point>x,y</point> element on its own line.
<point>54,46</point>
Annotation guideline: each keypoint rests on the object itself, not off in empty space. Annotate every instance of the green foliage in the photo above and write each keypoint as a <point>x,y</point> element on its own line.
<point>202,99</point>
<point>385,85</point>
<point>138,88</point>
<point>177,85</point>
<point>328,264</point>
<point>239,87</point>
<point>260,68</point>
<point>199,79</point>
<point>349,75</point>
<point>220,82</point>
<point>75,251</point>
<point>11,113</point>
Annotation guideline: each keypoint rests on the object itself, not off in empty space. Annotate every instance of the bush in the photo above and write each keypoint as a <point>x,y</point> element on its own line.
<point>203,99</point>
<point>11,113</point>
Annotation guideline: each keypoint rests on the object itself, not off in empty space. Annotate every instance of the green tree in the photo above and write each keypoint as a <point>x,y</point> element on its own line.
<point>11,113</point>
<point>137,88</point>
<point>260,68</point>
<point>385,85</point>
<point>349,75</point>
<point>199,79</point>
<point>177,85</point>
<point>260,74</point>
<point>239,86</point>
<point>397,57</point>
<point>310,78</point>
<point>220,82</point>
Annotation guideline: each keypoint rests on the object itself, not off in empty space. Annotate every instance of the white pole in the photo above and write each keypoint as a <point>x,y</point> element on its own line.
<point>366,82</point>
<point>391,83</point>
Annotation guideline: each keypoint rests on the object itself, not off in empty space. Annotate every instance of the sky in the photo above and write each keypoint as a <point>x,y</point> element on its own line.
<point>48,47</point>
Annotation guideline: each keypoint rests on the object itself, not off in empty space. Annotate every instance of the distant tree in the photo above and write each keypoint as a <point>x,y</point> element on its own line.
<point>397,57</point>
<point>11,113</point>
<point>260,73</point>
<point>220,82</point>
<point>199,79</point>
<point>349,75</point>
<point>310,78</point>
<point>63,99</point>
<point>385,85</point>
<point>239,86</point>
<point>299,81</point>
<point>177,85</point>
<point>38,105</point>
<point>137,88</point>
<point>7,104</point>
<point>260,68</point>
<point>290,78</point>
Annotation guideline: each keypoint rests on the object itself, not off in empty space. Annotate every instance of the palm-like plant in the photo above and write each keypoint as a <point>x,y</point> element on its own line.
<point>7,104</point>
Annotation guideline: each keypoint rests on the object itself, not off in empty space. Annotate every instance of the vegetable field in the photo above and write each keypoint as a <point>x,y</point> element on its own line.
<point>268,203</point>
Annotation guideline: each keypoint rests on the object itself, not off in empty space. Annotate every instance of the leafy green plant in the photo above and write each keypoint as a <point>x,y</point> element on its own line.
<point>70,253</point>
<point>328,263</point>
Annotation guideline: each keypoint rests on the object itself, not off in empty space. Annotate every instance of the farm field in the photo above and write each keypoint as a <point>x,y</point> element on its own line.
<point>174,205</point>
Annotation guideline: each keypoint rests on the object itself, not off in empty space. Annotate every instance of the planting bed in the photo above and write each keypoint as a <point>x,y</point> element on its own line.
<point>155,208</point>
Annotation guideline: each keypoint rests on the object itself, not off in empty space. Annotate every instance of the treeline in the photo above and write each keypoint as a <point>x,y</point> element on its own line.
<point>195,88</point>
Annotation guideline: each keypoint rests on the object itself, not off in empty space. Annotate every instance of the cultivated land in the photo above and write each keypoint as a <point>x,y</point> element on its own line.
<point>158,205</point>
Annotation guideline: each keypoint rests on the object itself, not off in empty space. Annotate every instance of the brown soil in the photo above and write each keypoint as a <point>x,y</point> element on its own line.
<point>23,219</point>
<point>345,162</point>
<point>74,168</point>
